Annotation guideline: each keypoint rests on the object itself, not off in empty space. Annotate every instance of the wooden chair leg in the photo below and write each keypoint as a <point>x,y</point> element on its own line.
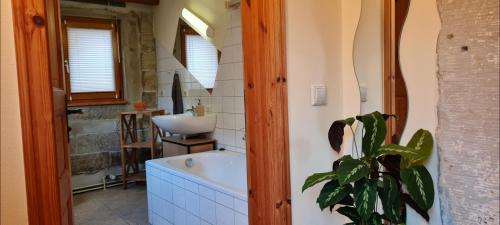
<point>124,167</point>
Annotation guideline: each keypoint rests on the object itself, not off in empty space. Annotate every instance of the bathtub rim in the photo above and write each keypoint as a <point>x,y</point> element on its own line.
<point>165,167</point>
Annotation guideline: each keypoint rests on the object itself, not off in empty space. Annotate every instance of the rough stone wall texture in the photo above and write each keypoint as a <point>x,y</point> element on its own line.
<point>468,111</point>
<point>94,139</point>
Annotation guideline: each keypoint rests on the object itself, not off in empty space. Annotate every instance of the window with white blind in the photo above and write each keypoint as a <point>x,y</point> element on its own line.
<point>92,64</point>
<point>202,59</point>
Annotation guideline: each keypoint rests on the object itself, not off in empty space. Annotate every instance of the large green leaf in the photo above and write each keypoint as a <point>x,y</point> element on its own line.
<point>347,201</point>
<point>393,149</point>
<point>365,195</point>
<point>420,186</point>
<point>350,212</point>
<point>332,193</point>
<point>351,170</point>
<point>391,200</point>
<point>422,142</point>
<point>318,178</point>
<point>336,132</point>
<point>375,131</point>
<point>375,219</point>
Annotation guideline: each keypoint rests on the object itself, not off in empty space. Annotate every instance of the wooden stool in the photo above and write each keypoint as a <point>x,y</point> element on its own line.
<point>130,145</point>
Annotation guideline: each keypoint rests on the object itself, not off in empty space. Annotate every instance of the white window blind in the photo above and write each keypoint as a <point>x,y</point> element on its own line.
<point>91,61</point>
<point>201,59</point>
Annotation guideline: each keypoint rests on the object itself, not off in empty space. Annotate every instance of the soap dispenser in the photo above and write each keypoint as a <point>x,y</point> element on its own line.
<point>199,110</point>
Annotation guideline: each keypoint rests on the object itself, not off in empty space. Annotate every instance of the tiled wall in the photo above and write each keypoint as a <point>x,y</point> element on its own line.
<point>174,200</point>
<point>227,98</point>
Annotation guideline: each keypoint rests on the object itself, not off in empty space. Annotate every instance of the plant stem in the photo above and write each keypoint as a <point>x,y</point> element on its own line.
<point>354,141</point>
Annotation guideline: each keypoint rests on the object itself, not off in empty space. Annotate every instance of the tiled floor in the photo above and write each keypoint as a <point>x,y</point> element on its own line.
<point>114,206</point>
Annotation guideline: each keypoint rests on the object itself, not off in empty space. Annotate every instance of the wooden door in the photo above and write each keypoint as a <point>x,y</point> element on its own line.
<point>43,111</point>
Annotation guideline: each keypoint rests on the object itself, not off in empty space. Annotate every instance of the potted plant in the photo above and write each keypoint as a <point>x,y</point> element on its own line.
<point>391,173</point>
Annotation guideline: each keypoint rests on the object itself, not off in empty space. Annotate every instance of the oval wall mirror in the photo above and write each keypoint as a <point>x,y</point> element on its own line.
<point>376,62</point>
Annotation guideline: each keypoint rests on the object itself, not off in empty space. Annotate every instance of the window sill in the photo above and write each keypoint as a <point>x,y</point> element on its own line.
<point>96,102</point>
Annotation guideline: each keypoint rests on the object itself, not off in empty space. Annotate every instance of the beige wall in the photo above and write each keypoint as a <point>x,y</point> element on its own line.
<point>327,58</point>
<point>13,189</point>
<point>313,57</point>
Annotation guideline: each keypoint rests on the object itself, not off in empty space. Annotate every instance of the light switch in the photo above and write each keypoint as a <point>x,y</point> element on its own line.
<point>363,92</point>
<point>318,94</point>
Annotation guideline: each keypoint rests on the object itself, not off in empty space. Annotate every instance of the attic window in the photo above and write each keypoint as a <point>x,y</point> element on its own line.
<point>92,62</point>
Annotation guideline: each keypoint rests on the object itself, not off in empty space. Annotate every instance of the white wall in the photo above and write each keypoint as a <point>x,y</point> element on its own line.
<point>418,57</point>
<point>313,57</point>
<point>13,187</point>
<point>368,54</point>
<point>328,28</point>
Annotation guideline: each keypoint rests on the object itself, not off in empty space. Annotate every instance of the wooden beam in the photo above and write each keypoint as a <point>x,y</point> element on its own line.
<point>266,111</point>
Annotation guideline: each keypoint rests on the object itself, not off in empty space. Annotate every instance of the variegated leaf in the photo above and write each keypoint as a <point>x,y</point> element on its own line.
<point>391,199</point>
<point>318,178</point>
<point>393,149</point>
<point>375,131</point>
<point>365,194</point>
<point>351,170</point>
<point>422,142</point>
<point>332,193</point>
<point>420,186</point>
<point>350,212</point>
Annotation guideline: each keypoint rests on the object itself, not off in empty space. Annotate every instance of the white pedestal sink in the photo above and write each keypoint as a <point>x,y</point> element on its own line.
<point>186,124</point>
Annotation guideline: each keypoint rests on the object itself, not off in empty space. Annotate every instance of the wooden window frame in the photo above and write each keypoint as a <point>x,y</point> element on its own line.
<point>94,98</point>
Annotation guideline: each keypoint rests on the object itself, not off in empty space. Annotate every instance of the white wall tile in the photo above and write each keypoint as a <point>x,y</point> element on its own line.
<point>240,219</point>
<point>239,121</point>
<point>238,88</point>
<point>229,137</point>
<point>240,139</point>
<point>219,136</point>
<point>239,105</point>
<point>228,104</point>
<point>241,206</point>
<point>180,216</point>
<point>224,199</point>
<point>166,191</point>
<point>179,199</point>
<point>229,88</point>
<point>225,216</point>
<point>167,211</point>
<point>192,203</point>
<point>192,220</point>
<point>207,210</point>
<point>207,192</point>
<point>229,121</point>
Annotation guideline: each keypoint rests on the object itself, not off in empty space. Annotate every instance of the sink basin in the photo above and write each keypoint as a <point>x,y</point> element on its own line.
<point>186,124</point>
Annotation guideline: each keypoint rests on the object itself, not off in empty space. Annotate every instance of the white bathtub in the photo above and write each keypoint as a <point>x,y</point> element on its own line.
<point>211,192</point>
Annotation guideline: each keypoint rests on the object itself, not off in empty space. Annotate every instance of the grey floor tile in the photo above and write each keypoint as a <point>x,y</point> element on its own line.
<point>114,206</point>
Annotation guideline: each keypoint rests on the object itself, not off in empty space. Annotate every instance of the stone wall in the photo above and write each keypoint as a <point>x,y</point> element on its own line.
<point>468,111</point>
<point>227,98</point>
<point>94,139</point>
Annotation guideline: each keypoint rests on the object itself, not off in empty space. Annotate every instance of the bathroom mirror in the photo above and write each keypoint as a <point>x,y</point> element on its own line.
<point>376,62</point>
<point>195,51</point>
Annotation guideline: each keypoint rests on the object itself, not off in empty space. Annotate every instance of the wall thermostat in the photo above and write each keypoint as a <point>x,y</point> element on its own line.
<point>318,94</point>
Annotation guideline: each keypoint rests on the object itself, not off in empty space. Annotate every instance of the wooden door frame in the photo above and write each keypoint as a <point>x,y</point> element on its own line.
<point>36,105</point>
<point>265,98</point>
<point>389,68</point>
